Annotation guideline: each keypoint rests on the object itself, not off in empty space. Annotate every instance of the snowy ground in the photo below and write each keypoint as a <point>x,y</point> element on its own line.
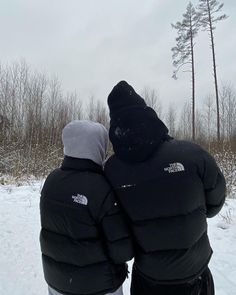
<point>20,262</point>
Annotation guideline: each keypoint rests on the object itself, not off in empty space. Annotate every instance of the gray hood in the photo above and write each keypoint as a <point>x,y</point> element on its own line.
<point>85,140</point>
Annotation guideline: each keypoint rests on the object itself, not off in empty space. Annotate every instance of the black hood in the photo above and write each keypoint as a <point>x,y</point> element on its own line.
<point>135,129</point>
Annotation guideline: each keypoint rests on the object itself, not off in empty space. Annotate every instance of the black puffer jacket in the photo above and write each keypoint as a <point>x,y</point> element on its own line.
<point>167,199</point>
<point>84,239</point>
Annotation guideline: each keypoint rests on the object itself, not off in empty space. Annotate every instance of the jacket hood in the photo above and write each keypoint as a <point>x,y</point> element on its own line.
<point>85,140</point>
<point>135,129</point>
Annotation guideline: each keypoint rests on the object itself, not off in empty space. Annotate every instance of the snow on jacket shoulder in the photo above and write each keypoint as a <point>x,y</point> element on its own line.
<point>84,237</point>
<point>167,199</point>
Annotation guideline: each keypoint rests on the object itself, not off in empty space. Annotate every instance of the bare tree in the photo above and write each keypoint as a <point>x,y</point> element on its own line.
<point>170,119</point>
<point>75,106</point>
<point>152,100</point>
<point>97,111</point>
<point>210,14</point>
<point>183,52</point>
<point>200,130</point>
<point>208,112</point>
<point>184,130</point>
<point>91,109</point>
<point>33,111</point>
<point>228,112</point>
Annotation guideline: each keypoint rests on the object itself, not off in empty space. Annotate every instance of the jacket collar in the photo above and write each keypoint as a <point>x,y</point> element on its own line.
<point>80,165</point>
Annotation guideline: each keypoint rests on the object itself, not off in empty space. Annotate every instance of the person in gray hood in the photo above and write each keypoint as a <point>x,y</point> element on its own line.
<point>84,239</point>
<point>84,139</point>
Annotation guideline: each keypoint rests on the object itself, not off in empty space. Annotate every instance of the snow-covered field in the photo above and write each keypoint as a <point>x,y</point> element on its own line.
<point>20,261</point>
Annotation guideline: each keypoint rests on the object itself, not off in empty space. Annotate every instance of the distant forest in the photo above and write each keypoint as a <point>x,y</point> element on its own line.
<point>34,109</point>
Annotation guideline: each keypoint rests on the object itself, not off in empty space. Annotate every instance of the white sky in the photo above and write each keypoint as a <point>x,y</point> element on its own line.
<point>92,44</point>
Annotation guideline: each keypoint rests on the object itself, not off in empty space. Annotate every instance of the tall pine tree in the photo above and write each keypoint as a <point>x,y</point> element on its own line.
<point>183,52</point>
<point>209,11</point>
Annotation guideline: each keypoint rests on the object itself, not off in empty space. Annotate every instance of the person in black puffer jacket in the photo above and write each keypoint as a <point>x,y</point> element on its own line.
<point>84,238</point>
<point>167,189</point>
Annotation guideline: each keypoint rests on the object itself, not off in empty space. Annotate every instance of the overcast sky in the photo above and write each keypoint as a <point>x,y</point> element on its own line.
<point>92,44</point>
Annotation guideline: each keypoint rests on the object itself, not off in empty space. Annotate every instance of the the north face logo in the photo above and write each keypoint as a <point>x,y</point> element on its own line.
<point>80,199</point>
<point>175,167</point>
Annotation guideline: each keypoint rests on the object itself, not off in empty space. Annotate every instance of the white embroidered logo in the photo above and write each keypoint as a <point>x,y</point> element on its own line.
<point>80,199</point>
<point>175,167</point>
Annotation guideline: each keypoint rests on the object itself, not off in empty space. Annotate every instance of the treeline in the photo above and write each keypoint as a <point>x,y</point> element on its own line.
<point>34,109</point>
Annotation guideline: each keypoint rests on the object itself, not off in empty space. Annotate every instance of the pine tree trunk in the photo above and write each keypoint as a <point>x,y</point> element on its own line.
<point>215,73</point>
<point>193,88</point>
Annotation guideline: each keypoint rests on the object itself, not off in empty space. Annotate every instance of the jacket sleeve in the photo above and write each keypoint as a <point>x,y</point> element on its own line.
<point>214,185</point>
<point>114,226</point>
